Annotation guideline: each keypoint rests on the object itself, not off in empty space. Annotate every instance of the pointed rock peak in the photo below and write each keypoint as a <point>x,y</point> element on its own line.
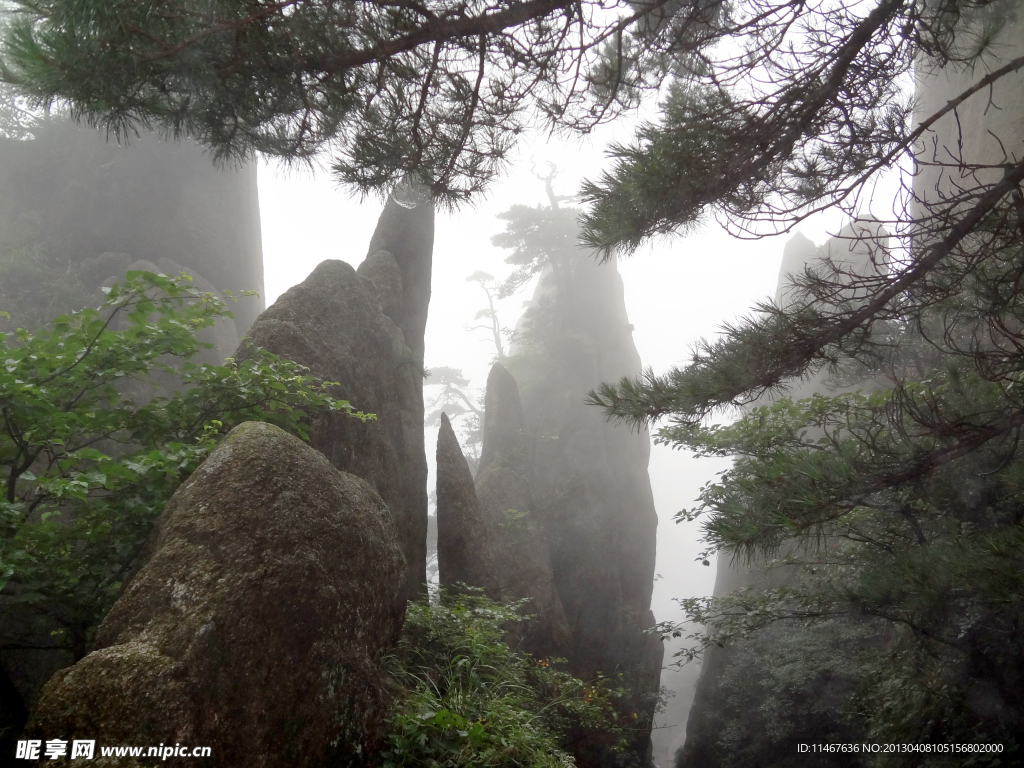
<point>381,269</point>
<point>503,420</point>
<point>799,241</point>
<point>451,460</point>
<point>463,548</point>
<point>407,232</point>
<point>503,389</point>
<point>446,433</point>
<point>796,254</point>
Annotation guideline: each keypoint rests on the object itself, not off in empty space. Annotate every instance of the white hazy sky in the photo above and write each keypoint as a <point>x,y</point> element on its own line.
<point>676,292</point>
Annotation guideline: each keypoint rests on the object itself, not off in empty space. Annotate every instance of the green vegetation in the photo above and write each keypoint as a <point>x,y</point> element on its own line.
<point>467,699</point>
<point>872,520</point>
<point>89,462</point>
<point>900,509</point>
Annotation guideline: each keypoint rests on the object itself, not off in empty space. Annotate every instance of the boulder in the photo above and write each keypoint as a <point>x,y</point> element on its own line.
<point>332,323</point>
<point>253,622</point>
<point>518,535</point>
<point>463,547</point>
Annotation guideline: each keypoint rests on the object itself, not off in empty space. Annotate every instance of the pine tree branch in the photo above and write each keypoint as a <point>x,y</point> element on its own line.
<point>783,347</point>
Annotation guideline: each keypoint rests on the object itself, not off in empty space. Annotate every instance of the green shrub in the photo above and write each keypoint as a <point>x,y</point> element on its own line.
<point>468,700</point>
<point>86,470</point>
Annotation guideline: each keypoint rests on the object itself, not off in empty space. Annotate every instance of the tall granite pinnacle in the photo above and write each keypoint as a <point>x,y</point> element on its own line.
<point>519,536</point>
<point>406,230</point>
<point>589,483</point>
<point>364,329</point>
<point>463,545</point>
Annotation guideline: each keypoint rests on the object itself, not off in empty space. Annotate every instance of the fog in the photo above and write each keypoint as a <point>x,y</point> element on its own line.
<point>677,291</point>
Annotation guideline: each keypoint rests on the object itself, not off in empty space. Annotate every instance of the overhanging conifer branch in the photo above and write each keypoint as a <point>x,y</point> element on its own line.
<point>761,355</point>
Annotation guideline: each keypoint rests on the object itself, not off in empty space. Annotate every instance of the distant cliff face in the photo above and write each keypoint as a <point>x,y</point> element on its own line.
<point>590,487</point>
<point>961,151</point>
<point>965,148</point>
<point>73,197</point>
<point>738,716</point>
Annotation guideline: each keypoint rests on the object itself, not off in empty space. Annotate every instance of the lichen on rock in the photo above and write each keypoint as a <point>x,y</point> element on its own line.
<point>254,621</point>
<point>332,323</point>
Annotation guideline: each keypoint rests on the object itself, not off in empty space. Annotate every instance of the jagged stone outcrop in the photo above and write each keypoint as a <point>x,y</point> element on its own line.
<point>253,621</point>
<point>518,535</point>
<point>406,230</point>
<point>590,484</point>
<point>332,323</point>
<point>463,544</point>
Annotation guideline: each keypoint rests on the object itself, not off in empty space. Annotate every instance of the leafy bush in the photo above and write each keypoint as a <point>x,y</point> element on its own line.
<point>86,469</point>
<point>468,700</point>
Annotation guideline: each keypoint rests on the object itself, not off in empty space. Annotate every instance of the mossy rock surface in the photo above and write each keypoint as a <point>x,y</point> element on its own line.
<point>253,624</point>
<point>333,324</point>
